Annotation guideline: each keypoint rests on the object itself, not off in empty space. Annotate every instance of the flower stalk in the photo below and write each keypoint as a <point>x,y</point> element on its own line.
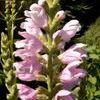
<point>50,79</point>
<point>7,41</point>
<point>43,56</point>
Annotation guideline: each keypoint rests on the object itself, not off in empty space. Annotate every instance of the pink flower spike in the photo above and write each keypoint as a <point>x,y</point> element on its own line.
<point>63,95</point>
<point>25,92</point>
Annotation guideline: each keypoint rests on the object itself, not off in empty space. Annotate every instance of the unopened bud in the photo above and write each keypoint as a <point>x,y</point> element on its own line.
<point>60,15</point>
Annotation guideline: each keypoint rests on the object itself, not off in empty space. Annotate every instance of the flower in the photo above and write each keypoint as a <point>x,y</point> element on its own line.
<point>70,76</point>
<point>25,92</point>
<point>28,69</point>
<point>24,53</point>
<point>30,27</point>
<point>30,42</point>
<point>68,31</point>
<point>37,14</point>
<point>63,95</point>
<point>74,53</point>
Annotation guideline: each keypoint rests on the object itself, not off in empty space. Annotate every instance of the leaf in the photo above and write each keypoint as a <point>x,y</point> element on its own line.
<point>41,78</point>
<point>57,88</point>
<point>97,93</point>
<point>92,80</point>
<point>42,97</point>
<point>94,56</point>
<point>42,90</point>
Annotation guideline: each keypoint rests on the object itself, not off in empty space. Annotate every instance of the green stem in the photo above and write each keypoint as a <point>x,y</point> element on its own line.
<point>51,15</point>
<point>50,3</point>
<point>50,68</point>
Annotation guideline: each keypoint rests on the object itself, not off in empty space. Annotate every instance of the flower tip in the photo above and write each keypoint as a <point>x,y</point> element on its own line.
<point>41,2</point>
<point>60,15</point>
<point>27,13</point>
<point>81,45</point>
<point>34,6</point>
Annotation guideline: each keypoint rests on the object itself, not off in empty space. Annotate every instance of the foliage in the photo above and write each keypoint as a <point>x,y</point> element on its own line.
<point>91,86</point>
<point>92,35</point>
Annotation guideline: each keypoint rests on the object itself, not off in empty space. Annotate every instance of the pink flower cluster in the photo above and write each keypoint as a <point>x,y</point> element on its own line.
<point>71,74</point>
<point>30,46</point>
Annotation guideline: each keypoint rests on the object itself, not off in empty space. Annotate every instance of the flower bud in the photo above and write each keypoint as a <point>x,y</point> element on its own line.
<point>60,15</point>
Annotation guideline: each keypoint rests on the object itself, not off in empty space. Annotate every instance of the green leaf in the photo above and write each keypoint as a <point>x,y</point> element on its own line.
<point>92,80</point>
<point>41,78</point>
<point>42,97</point>
<point>94,56</point>
<point>97,93</point>
<point>42,90</point>
<point>57,88</point>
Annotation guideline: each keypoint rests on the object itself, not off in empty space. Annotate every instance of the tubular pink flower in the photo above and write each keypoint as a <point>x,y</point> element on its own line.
<point>37,14</point>
<point>72,27</point>
<point>27,70</point>
<point>29,42</point>
<point>68,31</point>
<point>71,76</point>
<point>74,53</point>
<point>24,53</point>
<point>63,95</point>
<point>31,27</point>
<point>25,92</point>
